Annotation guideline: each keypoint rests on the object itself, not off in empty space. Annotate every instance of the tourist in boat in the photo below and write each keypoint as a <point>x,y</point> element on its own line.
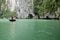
<point>12,18</point>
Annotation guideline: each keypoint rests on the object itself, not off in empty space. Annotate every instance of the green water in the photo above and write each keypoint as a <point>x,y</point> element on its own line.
<point>29,29</point>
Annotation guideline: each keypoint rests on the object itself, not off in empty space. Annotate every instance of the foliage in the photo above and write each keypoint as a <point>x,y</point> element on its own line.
<point>8,14</point>
<point>37,4</point>
<point>46,6</point>
<point>3,12</point>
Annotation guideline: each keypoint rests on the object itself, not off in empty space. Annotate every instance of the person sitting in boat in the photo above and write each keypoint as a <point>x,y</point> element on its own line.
<point>12,18</point>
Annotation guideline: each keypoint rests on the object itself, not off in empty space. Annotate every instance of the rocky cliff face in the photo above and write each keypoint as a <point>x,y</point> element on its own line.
<point>22,7</point>
<point>11,4</point>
